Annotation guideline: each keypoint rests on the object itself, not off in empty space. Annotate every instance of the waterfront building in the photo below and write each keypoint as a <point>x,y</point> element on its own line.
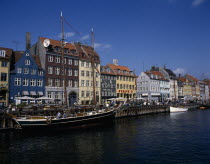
<point>171,76</point>
<point>27,77</point>
<point>194,86</point>
<point>49,51</point>
<point>187,88</point>
<point>207,88</point>
<point>89,74</point>
<point>152,86</point>
<point>180,89</point>
<point>5,54</point>
<point>126,81</point>
<point>108,84</point>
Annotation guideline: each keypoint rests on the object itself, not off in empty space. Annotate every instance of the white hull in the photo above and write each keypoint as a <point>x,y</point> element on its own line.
<point>177,109</point>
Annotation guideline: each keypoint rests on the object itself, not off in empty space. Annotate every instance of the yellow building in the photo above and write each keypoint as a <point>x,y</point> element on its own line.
<point>126,81</point>
<point>187,87</point>
<point>5,54</point>
<point>88,76</point>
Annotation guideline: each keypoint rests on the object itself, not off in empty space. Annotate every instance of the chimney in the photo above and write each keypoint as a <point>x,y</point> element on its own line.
<point>179,74</point>
<point>28,40</point>
<point>115,61</point>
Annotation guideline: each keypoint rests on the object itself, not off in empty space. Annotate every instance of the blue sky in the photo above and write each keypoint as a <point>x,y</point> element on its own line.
<point>175,33</point>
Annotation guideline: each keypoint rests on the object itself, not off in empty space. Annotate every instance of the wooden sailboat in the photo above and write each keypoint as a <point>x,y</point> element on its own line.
<point>68,118</point>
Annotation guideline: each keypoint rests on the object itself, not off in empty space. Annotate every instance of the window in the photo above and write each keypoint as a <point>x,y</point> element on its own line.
<point>62,83</point>
<point>27,54</point>
<point>75,62</point>
<point>75,83</point>
<point>88,94</point>
<point>3,76</point>
<point>49,94</point>
<point>70,61</point>
<point>87,83</point>
<point>33,82</point>
<point>39,83</point>
<point>40,73</point>
<point>87,64</point>
<point>87,73</point>
<point>50,70</point>
<point>2,53</point>
<point>25,70</point>
<point>33,71</point>
<point>57,59</point>
<point>82,82</point>
<point>56,95</point>
<point>82,63</point>
<point>50,82</point>
<point>17,81</point>
<point>57,70</point>
<point>27,62</point>
<point>69,72</point>
<point>19,70</point>
<point>97,84</point>
<point>65,61</point>
<point>82,73</point>
<point>4,64</point>
<point>57,82</point>
<point>70,83</point>
<point>25,82</point>
<point>50,58</point>
<point>75,72</point>
<point>82,93</point>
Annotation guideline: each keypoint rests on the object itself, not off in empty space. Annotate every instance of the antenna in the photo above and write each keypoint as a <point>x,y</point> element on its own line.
<point>143,65</point>
<point>92,38</point>
<point>16,44</point>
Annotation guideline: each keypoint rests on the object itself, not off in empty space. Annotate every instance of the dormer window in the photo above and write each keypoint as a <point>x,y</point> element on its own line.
<point>73,52</point>
<point>124,72</point>
<point>2,53</point>
<point>66,51</point>
<point>27,62</point>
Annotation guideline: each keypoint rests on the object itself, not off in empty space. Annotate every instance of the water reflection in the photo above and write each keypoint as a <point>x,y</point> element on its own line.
<point>146,139</point>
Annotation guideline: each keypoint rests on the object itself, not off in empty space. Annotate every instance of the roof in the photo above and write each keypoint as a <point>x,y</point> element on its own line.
<point>8,51</point>
<point>37,60</point>
<point>182,79</point>
<point>105,71</point>
<point>157,73</point>
<point>115,69</point>
<point>190,77</point>
<point>17,55</point>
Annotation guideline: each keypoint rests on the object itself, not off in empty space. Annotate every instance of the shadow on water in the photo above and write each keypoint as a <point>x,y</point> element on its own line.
<point>161,138</point>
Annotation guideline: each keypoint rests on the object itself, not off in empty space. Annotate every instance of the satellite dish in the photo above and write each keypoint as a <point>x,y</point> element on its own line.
<point>46,42</point>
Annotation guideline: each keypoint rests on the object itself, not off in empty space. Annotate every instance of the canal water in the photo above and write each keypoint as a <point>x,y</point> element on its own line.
<point>161,138</point>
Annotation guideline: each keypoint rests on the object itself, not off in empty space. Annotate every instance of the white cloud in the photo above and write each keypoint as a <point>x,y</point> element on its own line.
<point>197,2</point>
<point>86,37</point>
<point>179,71</point>
<point>67,35</point>
<point>102,46</point>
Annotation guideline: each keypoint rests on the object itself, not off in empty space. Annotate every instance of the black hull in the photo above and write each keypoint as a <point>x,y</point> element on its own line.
<point>73,122</point>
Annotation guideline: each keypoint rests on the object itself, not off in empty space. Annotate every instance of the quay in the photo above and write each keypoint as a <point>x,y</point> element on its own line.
<point>6,122</point>
<point>128,111</point>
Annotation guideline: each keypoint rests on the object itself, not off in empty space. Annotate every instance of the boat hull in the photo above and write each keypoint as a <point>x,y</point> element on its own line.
<point>69,122</point>
<point>178,109</point>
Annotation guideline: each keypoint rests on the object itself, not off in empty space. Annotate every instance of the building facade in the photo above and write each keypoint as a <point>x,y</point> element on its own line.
<point>126,81</point>
<point>5,54</point>
<point>89,75</point>
<point>59,75</point>
<point>108,84</point>
<point>27,78</point>
<point>152,86</point>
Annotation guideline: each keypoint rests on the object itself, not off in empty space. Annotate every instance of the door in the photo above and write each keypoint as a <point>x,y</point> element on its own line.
<point>72,98</point>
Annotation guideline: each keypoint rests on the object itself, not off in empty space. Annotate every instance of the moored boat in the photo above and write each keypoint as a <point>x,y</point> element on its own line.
<point>66,120</point>
<point>178,109</point>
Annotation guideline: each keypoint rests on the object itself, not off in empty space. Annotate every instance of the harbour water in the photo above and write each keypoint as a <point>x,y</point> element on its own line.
<point>162,138</point>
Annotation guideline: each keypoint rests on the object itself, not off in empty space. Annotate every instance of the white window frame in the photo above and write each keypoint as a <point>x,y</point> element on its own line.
<point>17,81</point>
<point>57,59</point>
<point>33,82</point>
<point>19,70</point>
<point>39,83</point>
<point>50,58</point>
<point>25,82</point>
<point>27,62</point>
<point>26,71</point>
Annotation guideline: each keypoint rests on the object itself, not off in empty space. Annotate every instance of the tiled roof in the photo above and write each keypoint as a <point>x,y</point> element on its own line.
<point>17,55</point>
<point>37,60</point>
<point>157,73</point>
<point>115,67</point>
<point>182,79</point>
<point>105,72</point>
<point>7,50</point>
<point>191,77</point>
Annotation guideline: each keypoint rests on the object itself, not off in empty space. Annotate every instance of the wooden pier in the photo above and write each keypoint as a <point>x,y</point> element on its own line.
<point>128,111</point>
<point>6,122</point>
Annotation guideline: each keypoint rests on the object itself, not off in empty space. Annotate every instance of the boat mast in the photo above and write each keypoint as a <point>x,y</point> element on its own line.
<point>63,63</point>
<point>93,67</point>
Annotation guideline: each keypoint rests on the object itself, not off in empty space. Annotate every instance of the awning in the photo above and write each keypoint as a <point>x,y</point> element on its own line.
<point>32,93</point>
<point>40,93</point>
<point>25,93</point>
<point>144,94</point>
<point>155,94</point>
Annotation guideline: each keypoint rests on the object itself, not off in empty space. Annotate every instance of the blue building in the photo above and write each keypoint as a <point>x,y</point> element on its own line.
<point>27,78</point>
